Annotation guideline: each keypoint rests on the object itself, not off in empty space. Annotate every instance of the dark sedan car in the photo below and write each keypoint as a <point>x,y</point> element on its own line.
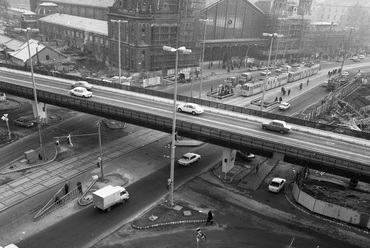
<point>23,122</point>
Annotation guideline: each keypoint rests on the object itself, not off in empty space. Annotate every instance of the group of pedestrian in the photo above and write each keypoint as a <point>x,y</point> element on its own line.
<point>280,99</point>
<point>333,72</point>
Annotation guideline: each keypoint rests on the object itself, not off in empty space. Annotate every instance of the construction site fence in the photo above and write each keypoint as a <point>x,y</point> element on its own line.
<point>332,99</point>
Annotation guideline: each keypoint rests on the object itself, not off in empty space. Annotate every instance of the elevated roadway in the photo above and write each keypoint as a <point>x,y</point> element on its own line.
<point>329,152</point>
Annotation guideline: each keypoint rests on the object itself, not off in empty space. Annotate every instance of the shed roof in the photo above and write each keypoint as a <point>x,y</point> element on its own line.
<point>22,52</point>
<point>10,43</point>
<point>95,3</point>
<point>76,22</point>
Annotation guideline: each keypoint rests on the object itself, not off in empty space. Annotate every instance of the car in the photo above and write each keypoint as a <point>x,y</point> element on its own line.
<point>278,69</point>
<point>82,84</point>
<point>340,59</point>
<point>354,58</point>
<point>284,106</point>
<point>262,68</point>
<point>81,92</point>
<point>189,158</point>
<point>253,68</point>
<point>246,155</point>
<point>345,73</point>
<point>277,125</point>
<point>192,108</point>
<point>265,72</point>
<point>24,122</point>
<point>361,56</point>
<point>276,184</point>
<point>325,84</point>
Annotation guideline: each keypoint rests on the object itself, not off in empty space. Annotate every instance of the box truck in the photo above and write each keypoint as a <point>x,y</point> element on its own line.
<point>108,196</point>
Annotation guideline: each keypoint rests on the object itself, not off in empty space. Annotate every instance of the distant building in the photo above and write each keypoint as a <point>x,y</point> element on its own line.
<point>94,9</point>
<point>46,9</point>
<point>87,35</point>
<point>39,54</point>
<point>334,10</point>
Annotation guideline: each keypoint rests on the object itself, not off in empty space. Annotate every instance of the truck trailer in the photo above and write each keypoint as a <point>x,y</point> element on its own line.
<point>109,196</point>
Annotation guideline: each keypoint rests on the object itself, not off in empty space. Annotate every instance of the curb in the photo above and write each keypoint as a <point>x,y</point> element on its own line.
<point>166,224</point>
<point>32,167</point>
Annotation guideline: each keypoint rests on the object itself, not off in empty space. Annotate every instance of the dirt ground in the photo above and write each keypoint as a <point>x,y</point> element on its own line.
<point>336,190</point>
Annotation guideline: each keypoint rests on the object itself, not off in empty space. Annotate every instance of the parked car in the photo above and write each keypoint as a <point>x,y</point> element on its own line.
<point>246,155</point>
<point>189,158</point>
<point>23,122</point>
<point>81,92</point>
<point>277,125</point>
<point>276,184</point>
<point>262,68</point>
<point>265,72</point>
<point>192,108</point>
<point>82,84</point>
<point>284,106</point>
<point>361,56</point>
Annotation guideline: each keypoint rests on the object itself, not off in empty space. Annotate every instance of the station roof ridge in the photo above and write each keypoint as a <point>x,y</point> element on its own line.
<point>77,22</point>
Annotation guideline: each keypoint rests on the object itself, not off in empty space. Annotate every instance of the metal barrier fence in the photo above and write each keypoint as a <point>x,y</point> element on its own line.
<point>58,200</point>
<point>208,103</point>
<point>209,134</point>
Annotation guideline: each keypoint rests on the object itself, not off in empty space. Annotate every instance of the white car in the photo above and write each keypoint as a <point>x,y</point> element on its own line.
<point>81,92</point>
<point>189,158</point>
<point>284,106</point>
<point>266,72</point>
<point>345,73</point>
<point>192,108</point>
<point>277,125</point>
<point>276,184</point>
<point>82,84</point>
<point>361,56</point>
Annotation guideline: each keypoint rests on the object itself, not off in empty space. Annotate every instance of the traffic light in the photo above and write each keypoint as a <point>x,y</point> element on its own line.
<point>68,140</point>
<point>57,142</point>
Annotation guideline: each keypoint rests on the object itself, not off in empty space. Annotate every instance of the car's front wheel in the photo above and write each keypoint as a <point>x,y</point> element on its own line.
<point>193,113</point>
<point>264,127</point>
<point>179,109</point>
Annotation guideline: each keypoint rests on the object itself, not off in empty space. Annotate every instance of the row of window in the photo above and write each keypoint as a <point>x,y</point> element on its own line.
<point>76,34</point>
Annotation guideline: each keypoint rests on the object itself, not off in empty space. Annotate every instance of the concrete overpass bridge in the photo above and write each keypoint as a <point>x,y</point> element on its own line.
<point>325,151</point>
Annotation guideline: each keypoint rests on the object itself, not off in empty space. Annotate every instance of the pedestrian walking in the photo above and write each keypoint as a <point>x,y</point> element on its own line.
<point>209,218</point>
<point>276,99</point>
<point>280,99</point>
<point>288,92</point>
<point>301,86</point>
<point>308,80</point>
<point>66,188</point>
<point>257,168</point>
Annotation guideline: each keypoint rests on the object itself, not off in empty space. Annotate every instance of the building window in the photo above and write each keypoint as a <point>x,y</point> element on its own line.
<point>91,38</point>
<point>47,57</point>
<point>101,41</point>
<point>328,17</point>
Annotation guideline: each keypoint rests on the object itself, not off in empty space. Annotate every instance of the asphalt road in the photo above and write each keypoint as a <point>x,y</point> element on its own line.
<point>88,224</point>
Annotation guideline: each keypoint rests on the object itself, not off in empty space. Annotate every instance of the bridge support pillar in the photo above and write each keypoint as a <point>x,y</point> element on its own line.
<point>278,156</point>
<point>42,111</point>
<point>228,160</point>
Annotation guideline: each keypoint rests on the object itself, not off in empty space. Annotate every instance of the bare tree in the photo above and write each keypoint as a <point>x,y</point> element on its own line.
<point>358,17</point>
<point>4,5</point>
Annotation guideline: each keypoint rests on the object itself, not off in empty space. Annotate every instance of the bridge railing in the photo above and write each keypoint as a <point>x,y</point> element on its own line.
<point>204,102</point>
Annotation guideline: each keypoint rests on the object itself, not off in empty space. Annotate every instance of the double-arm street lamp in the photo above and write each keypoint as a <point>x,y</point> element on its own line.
<point>268,64</point>
<point>173,134</point>
<point>119,45</point>
<point>345,49</point>
<point>27,31</point>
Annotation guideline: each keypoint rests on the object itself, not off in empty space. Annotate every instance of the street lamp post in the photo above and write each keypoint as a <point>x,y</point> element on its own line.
<point>246,54</point>
<point>119,46</point>
<point>6,119</point>
<point>345,49</point>
<point>100,159</point>
<point>268,65</point>
<point>38,121</point>
<point>202,58</point>
<point>173,134</point>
